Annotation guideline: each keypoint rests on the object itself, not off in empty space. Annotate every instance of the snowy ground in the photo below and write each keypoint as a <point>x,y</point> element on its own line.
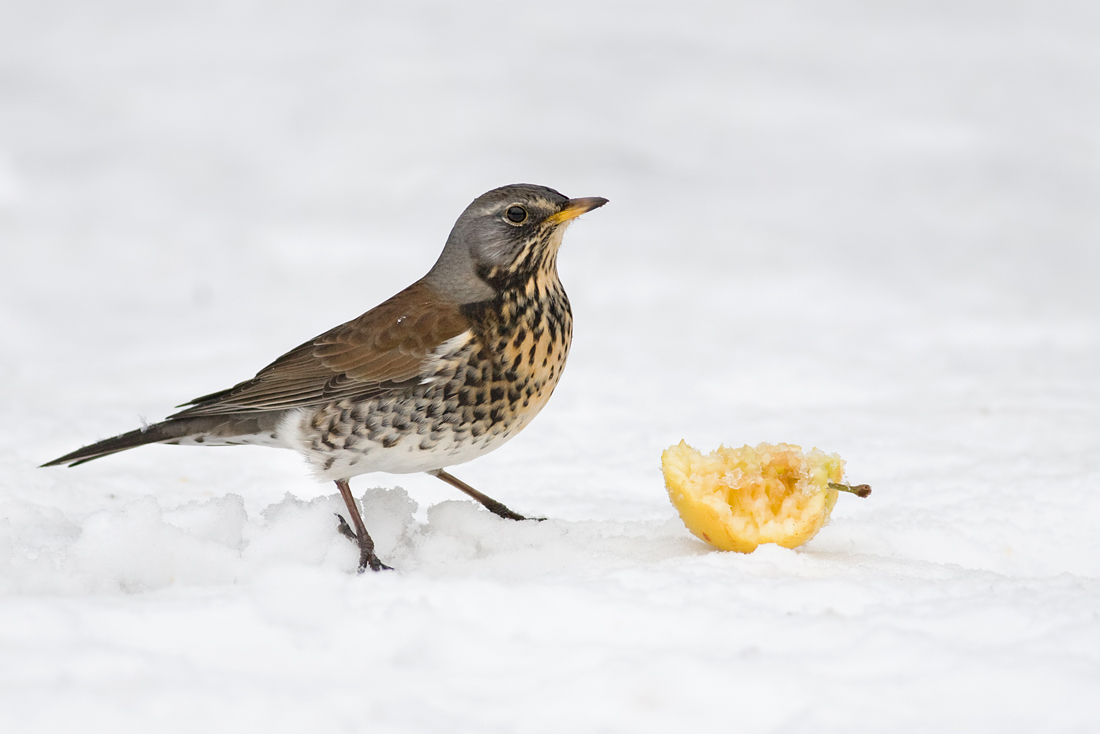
<point>868,227</point>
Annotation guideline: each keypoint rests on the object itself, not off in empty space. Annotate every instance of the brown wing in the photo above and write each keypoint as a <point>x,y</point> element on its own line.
<point>384,349</point>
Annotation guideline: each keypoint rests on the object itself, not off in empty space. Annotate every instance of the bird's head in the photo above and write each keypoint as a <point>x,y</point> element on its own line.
<point>506,235</point>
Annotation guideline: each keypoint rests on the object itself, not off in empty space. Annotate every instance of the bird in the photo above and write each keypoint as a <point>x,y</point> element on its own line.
<point>445,371</point>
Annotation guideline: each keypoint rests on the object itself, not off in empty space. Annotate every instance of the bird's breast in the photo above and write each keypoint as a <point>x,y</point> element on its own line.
<point>476,391</point>
<point>528,339</point>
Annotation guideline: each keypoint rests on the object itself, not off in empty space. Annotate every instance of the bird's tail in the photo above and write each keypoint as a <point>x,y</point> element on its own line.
<point>173,430</point>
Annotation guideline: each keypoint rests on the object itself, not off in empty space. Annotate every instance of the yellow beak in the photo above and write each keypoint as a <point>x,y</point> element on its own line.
<point>576,207</point>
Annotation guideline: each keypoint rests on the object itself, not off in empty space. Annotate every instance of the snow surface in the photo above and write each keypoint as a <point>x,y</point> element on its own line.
<point>867,227</point>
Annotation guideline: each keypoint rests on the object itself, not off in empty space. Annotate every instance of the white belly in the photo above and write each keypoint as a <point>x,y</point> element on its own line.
<point>404,457</point>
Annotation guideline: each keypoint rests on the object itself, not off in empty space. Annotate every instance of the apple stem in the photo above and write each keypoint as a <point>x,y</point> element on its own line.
<point>859,490</point>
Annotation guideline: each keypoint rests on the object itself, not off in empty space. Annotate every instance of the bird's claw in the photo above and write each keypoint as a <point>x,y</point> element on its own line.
<point>372,563</point>
<point>367,557</point>
<point>344,529</point>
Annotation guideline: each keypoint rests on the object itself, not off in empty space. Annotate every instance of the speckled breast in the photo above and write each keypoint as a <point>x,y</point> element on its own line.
<point>477,391</point>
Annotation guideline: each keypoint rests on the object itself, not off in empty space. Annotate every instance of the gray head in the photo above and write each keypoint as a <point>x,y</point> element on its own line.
<point>506,233</point>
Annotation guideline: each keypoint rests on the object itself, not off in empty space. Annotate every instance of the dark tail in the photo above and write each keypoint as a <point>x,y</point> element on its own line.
<point>169,431</point>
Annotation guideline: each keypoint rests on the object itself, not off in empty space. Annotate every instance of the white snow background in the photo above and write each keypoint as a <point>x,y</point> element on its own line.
<point>866,227</point>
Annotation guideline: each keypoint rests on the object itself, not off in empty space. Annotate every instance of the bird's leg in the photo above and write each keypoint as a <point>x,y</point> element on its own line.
<point>367,558</point>
<point>497,508</point>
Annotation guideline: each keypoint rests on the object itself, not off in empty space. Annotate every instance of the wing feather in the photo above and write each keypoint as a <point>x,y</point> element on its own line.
<point>385,349</point>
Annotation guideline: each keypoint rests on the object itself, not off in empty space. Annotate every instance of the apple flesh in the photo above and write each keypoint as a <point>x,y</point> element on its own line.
<point>737,499</point>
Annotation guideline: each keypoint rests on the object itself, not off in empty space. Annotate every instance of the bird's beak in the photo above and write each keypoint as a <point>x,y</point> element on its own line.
<point>576,207</point>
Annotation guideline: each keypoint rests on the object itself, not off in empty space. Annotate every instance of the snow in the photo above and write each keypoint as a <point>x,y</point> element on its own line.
<point>869,228</point>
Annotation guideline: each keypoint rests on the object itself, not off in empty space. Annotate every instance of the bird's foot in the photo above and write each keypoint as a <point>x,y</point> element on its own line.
<point>497,508</point>
<point>367,557</point>
<point>369,560</point>
<point>345,529</point>
<point>501,510</point>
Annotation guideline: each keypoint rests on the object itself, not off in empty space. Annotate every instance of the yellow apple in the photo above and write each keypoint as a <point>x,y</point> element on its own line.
<point>737,499</point>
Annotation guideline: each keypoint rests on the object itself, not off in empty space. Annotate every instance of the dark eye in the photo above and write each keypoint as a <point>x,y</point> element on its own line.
<point>516,214</point>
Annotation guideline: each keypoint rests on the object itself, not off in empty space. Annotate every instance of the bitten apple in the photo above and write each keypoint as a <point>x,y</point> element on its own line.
<point>737,499</point>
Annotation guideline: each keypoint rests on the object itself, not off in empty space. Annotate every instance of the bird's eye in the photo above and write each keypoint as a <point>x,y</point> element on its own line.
<point>516,214</point>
